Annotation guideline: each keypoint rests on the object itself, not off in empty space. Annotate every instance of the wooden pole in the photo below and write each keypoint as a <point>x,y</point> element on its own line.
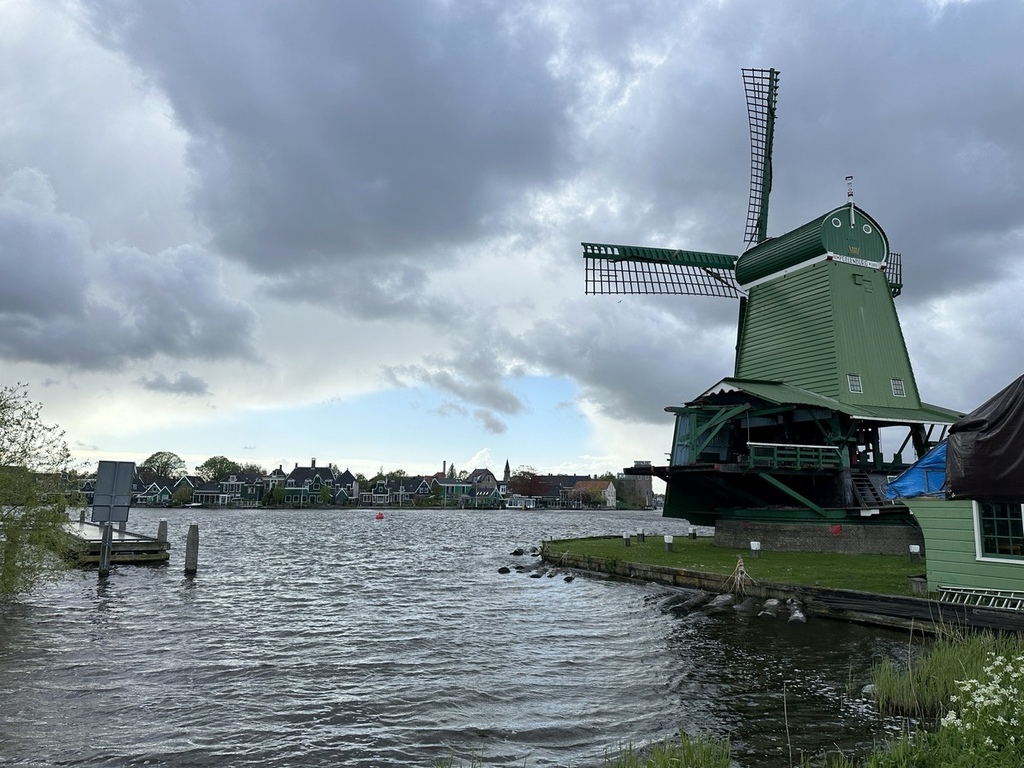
<point>192,550</point>
<point>106,544</point>
<point>161,530</point>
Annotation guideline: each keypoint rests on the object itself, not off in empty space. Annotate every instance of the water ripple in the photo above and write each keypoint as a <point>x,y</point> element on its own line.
<point>325,638</point>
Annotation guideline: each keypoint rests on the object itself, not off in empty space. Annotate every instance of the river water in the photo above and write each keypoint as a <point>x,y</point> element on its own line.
<point>330,638</point>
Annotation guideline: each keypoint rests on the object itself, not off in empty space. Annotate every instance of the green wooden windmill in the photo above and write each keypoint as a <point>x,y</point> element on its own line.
<point>822,374</point>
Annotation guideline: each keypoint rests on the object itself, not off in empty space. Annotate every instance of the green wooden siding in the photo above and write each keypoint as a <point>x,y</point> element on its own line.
<point>788,332</point>
<point>780,253</point>
<point>948,528</point>
<point>812,327</point>
<point>869,340</point>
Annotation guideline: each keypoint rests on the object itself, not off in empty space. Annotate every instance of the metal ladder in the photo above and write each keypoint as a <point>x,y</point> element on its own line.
<point>984,598</point>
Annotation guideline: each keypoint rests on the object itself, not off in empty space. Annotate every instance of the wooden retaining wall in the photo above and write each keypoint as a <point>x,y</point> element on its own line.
<point>911,613</point>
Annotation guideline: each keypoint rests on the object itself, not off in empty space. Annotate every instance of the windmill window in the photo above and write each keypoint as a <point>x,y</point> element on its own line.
<point>898,389</point>
<point>864,281</point>
<point>867,229</point>
<point>836,223</point>
<point>1000,529</point>
<point>855,383</point>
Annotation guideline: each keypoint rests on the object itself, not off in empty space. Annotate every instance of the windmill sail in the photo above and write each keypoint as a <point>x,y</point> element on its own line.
<point>630,269</point>
<point>762,89</point>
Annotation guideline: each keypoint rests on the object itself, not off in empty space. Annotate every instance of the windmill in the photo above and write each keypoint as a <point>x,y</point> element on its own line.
<point>821,368</point>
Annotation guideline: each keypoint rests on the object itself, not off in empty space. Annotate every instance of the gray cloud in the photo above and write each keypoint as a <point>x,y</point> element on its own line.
<point>490,422</point>
<point>349,130</point>
<point>184,384</point>
<point>365,289</point>
<point>473,374</point>
<point>359,134</point>
<point>357,156</point>
<point>66,301</point>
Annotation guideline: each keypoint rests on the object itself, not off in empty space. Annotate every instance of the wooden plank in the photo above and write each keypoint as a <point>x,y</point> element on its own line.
<point>82,546</point>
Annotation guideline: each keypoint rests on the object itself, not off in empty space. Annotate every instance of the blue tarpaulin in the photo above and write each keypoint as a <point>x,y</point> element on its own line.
<point>926,477</point>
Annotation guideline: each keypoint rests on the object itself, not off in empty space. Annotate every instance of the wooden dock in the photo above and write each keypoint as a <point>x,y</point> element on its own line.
<point>83,540</point>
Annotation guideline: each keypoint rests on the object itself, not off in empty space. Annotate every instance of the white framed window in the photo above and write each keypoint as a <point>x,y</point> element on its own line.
<point>855,383</point>
<point>898,389</point>
<point>999,530</point>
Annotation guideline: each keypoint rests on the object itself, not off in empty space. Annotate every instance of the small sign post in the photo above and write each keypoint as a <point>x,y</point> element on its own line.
<point>111,503</point>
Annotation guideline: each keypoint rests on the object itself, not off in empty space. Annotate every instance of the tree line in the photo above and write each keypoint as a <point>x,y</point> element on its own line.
<point>38,482</point>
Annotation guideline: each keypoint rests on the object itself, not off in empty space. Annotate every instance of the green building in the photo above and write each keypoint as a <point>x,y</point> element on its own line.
<point>790,449</point>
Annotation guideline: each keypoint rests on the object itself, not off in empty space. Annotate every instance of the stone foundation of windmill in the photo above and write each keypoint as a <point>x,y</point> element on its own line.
<point>841,538</point>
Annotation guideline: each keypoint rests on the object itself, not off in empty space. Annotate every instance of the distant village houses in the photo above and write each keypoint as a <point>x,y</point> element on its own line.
<point>327,486</point>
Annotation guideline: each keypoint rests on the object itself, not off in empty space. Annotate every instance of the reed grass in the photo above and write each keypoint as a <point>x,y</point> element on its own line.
<point>983,722</point>
<point>922,685</point>
<point>694,752</point>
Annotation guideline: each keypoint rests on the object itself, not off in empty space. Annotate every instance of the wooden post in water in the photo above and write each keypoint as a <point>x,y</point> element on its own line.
<point>81,515</point>
<point>161,530</point>
<point>106,544</point>
<point>192,550</point>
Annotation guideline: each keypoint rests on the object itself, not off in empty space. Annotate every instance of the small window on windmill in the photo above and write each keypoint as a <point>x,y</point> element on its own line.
<point>864,281</point>
<point>855,384</point>
<point>897,387</point>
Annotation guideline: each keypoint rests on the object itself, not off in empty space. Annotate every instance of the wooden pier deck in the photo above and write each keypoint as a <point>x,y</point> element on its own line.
<point>83,541</point>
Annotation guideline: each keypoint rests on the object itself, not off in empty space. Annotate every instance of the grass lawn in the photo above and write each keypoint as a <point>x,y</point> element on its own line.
<point>881,574</point>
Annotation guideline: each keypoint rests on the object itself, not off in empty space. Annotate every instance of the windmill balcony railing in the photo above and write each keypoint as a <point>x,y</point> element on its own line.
<point>789,456</point>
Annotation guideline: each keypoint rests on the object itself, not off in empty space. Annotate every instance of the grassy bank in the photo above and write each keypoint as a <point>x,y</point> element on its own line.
<point>881,574</point>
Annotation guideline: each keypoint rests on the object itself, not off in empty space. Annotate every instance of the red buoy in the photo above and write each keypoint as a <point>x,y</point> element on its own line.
<point>380,515</point>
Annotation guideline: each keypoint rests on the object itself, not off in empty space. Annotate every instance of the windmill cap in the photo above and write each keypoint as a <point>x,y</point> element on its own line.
<point>846,234</point>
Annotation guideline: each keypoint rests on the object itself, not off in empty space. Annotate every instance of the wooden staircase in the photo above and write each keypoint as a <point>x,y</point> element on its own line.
<point>865,491</point>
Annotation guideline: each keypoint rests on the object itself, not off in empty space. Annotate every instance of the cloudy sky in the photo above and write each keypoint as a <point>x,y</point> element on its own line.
<point>350,230</point>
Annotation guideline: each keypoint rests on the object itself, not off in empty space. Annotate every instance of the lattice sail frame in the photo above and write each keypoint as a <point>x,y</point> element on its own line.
<point>894,273</point>
<point>624,269</point>
<point>762,89</point>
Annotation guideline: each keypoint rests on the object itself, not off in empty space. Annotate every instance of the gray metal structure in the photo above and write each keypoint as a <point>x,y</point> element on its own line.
<point>113,496</point>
